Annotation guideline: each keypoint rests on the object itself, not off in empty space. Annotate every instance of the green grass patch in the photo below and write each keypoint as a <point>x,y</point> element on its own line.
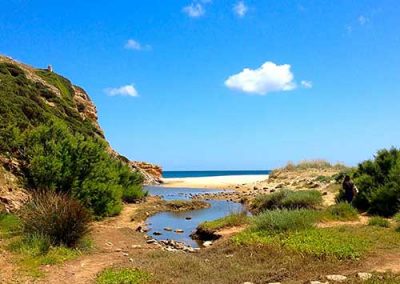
<point>287,199</point>
<point>122,276</point>
<point>346,242</point>
<point>232,220</point>
<point>283,220</point>
<point>31,252</point>
<point>379,222</point>
<point>340,212</point>
<point>328,242</point>
<point>9,225</point>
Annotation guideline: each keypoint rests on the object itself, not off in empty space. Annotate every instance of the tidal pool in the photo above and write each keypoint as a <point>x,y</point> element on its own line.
<point>188,220</point>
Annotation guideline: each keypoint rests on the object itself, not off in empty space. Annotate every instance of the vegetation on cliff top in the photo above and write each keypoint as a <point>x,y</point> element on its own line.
<point>57,149</point>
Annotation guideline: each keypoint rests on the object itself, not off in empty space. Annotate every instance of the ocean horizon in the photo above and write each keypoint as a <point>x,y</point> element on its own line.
<point>187,174</point>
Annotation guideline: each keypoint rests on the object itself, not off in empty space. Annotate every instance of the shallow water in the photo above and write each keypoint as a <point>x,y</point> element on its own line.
<point>177,220</point>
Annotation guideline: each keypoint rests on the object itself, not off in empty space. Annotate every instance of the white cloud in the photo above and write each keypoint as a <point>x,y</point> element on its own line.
<point>306,84</point>
<point>240,9</point>
<point>270,77</point>
<point>135,45</point>
<point>194,10</point>
<point>127,90</point>
<point>362,20</point>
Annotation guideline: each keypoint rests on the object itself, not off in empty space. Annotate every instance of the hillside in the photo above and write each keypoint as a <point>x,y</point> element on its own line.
<point>31,98</point>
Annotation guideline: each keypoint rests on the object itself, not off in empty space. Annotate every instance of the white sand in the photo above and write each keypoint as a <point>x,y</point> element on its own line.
<point>219,182</point>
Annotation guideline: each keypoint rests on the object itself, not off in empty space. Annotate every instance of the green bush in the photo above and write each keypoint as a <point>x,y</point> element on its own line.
<point>378,181</point>
<point>283,220</point>
<point>122,276</point>
<point>56,217</point>
<point>340,212</point>
<point>378,222</point>
<point>287,199</point>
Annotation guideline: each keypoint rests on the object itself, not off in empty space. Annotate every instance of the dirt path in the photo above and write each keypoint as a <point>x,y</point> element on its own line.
<point>115,241</point>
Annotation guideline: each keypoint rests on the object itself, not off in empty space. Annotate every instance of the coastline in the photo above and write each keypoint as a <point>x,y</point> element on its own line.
<point>216,182</point>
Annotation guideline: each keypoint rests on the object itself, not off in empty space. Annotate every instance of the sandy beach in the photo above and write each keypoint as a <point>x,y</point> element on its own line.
<point>218,182</point>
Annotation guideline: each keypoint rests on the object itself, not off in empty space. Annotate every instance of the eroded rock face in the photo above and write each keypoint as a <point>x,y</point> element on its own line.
<point>152,173</point>
<point>12,195</point>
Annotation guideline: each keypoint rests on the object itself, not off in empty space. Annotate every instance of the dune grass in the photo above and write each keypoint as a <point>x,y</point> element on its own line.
<point>232,220</point>
<point>122,276</point>
<point>287,199</point>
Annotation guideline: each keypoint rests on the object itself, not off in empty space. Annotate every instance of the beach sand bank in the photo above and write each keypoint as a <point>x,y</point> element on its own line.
<point>217,182</point>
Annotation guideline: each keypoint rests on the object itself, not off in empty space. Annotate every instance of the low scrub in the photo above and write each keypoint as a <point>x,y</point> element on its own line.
<point>313,164</point>
<point>378,222</point>
<point>122,276</point>
<point>283,220</point>
<point>57,217</point>
<point>287,199</point>
<point>340,212</point>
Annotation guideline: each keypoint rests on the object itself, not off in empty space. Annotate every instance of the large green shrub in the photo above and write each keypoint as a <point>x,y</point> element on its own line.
<point>378,182</point>
<point>57,217</point>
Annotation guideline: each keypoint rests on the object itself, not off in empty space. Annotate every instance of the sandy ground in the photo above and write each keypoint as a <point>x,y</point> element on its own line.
<point>218,182</point>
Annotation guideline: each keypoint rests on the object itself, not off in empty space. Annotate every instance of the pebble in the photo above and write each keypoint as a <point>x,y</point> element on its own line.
<point>336,278</point>
<point>125,254</point>
<point>151,241</point>
<point>136,246</point>
<point>168,229</point>
<point>364,276</point>
<point>118,250</point>
<point>179,231</point>
<point>188,218</point>
<point>207,243</point>
<point>157,234</point>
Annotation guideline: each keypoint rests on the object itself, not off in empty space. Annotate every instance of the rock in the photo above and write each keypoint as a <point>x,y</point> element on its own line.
<point>136,246</point>
<point>118,250</point>
<point>109,243</point>
<point>207,243</point>
<point>318,282</point>
<point>188,218</point>
<point>125,254</point>
<point>179,231</point>
<point>157,234</point>
<point>325,193</point>
<point>336,278</point>
<point>131,260</point>
<point>151,241</point>
<point>272,190</point>
<point>364,276</point>
<point>168,229</point>
<point>248,283</point>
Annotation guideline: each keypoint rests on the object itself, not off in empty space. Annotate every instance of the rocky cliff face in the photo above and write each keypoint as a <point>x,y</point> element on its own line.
<point>12,194</point>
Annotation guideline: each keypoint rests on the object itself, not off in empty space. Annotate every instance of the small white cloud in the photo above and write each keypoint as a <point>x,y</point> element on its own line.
<point>135,45</point>
<point>306,84</point>
<point>194,10</point>
<point>270,77</point>
<point>362,20</point>
<point>240,9</point>
<point>127,90</point>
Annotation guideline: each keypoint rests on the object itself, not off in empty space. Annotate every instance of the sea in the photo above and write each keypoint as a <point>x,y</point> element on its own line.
<point>186,174</point>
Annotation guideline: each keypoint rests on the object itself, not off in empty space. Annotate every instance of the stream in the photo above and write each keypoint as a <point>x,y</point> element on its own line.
<point>188,220</point>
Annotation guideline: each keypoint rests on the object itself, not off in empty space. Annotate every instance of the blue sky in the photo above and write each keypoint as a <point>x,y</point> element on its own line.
<point>169,82</point>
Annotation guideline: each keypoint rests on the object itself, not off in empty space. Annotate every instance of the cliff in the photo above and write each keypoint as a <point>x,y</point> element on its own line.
<point>28,98</point>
